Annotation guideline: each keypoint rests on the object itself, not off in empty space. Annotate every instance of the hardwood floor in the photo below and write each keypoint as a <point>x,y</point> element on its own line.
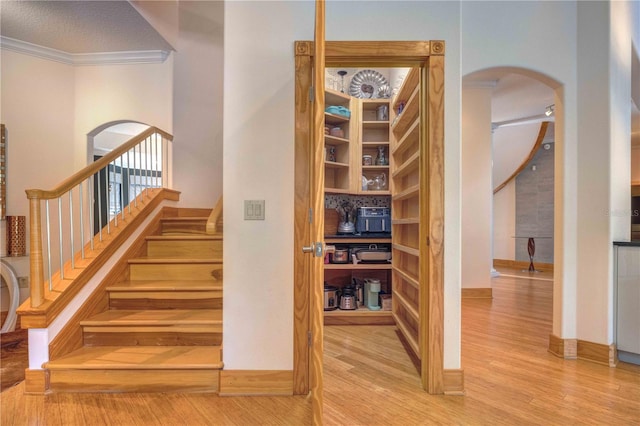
<point>510,378</point>
<point>14,357</point>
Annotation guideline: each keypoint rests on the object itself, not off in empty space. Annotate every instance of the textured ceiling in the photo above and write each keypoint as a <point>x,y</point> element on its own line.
<point>79,26</point>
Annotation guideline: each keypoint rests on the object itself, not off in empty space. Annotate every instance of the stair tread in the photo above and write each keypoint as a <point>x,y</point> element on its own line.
<point>185,219</point>
<point>140,357</point>
<point>168,285</point>
<point>172,260</point>
<point>157,317</point>
<point>185,237</point>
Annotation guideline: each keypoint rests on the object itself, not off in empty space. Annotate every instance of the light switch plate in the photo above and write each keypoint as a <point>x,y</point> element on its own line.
<point>253,209</point>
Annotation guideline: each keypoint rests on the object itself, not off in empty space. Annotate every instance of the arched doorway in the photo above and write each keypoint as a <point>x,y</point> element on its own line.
<point>533,94</point>
<point>119,183</point>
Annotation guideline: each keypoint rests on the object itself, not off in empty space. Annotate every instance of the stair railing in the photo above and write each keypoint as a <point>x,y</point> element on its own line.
<point>144,161</point>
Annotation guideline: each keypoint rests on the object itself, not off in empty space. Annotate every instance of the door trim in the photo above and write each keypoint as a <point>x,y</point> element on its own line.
<point>430,56</point>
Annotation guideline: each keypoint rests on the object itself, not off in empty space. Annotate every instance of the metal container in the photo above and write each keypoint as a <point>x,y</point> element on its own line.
<point>330,298</point>
<point>340,256</point>
<point>373,254</point>
<point>382,113</point>
<point>348,299</point>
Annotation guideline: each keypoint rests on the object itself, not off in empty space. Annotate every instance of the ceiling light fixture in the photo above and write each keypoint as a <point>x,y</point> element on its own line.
<point>550,110</point>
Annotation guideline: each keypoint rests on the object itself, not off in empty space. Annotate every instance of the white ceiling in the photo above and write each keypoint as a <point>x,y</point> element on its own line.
<point>79,26</point>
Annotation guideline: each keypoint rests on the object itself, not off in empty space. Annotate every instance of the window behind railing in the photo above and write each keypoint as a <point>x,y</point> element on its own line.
<point>70,219</point>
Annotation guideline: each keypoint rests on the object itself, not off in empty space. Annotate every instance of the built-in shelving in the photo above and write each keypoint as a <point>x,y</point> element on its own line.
<point>334,140</point>
<point>361,316</point>
<point>374,138</point>
<point>410,137</point>
<point>335,165</point>
<point>410,192</point>
<point>338,156</point>
<point>364,134</point>
<point>406,156</point>
<point>361,266</point>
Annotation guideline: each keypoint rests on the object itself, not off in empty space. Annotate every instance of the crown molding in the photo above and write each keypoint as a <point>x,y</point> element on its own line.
<point>83,59</point>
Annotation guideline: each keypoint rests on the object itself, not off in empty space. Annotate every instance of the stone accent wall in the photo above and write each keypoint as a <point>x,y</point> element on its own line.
<point>534,206</point>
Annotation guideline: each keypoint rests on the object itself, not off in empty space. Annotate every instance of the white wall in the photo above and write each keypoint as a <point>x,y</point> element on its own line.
<point>594,209</point>
<point>162,15</point>
<point>198,90</point>
<point>496,34</point>
<point>38,111</point>
<point>258,160</point>
<point>504,222</point>
<point>511,146</point>
<point>477,187</point>
<point>49,108</point>
<point>588,60</point>
<point>134,92</point>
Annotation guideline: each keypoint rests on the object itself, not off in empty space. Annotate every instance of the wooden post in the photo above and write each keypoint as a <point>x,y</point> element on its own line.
<point>317,228</point>
<point>35,251</point>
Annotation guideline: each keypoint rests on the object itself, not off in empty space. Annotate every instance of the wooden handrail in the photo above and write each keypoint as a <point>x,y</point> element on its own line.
<point>536,146</point>
<point>35,197</point>
<point>95,167</point>
<point>215,218</point>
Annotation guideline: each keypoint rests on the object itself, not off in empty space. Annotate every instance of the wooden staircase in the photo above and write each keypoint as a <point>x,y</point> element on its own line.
<point>163,327</point>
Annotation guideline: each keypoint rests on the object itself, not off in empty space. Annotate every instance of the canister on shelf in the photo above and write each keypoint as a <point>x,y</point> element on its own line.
<point>367,160</point>
<point>337,132</point>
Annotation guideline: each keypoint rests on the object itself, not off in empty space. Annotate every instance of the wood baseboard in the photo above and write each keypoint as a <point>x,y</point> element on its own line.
<point>454,382</point>
<point>36,382</point>
<point>582,349</point>
<point>477,293</point>
<point>597,352</point>
<point>563,348</point>
<point>256,382</point>
<point>517,264</point>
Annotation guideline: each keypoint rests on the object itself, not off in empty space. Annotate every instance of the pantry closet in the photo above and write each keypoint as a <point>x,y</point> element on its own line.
<point>380,166</point>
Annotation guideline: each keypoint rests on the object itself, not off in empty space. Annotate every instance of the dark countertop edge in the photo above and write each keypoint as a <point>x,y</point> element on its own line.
<point>363,236</point>
<point>627,243</point>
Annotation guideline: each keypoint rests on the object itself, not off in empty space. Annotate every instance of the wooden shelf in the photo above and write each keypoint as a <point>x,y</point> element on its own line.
<point>413,281</point>
<point>375,168</point>
<point>358,317</point>
<point>410,192</point>
<point>335,165</point>
<point>335,119</point>
<point>357,240</point>
<point>412,135</point>
<point>408,166</point>
<point>408,250</point>
<point>334,97</point>
<point>371,192</point>
<point>375,124</point>
<point>409,114</point>
<point>337,191</point>
<point>411,81</point>
<point>359,266</point>
<point>374,144</point>
<point>399,298</point>
<point>411,340</point>
<point>334,140</point>
<point>406,221</point>
<point>361,311</point>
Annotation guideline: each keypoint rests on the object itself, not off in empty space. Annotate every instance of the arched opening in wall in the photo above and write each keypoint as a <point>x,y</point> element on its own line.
<point>511,126</point>
<point>121,182</point>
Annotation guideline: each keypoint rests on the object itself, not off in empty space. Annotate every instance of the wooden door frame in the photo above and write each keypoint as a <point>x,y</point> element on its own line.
<point>429,55</point>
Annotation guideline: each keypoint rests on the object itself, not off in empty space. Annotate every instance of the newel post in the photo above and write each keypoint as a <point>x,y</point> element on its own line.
<point>35,252</point>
